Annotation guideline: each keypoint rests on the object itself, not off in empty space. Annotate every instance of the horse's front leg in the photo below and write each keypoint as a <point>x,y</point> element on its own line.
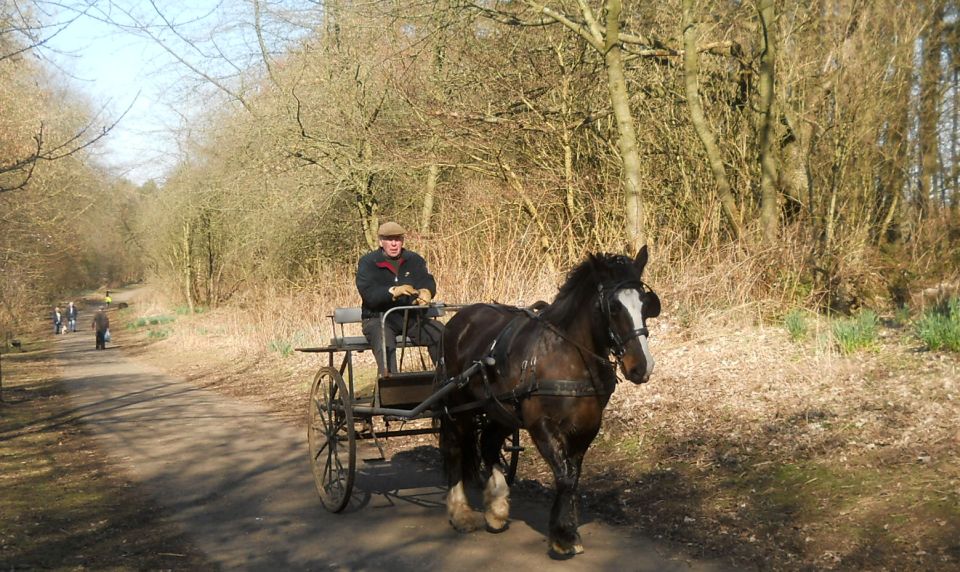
<point>496,492</point>
<point>565,512</point>
<point>453,443</point>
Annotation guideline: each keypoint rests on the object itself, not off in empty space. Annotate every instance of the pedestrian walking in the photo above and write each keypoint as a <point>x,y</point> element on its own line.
<point>101,326</point>
<point>57,317</point>
<point>72,314</point>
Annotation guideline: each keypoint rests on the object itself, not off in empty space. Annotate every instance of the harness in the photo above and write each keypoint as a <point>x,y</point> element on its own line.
<point>529,385</point>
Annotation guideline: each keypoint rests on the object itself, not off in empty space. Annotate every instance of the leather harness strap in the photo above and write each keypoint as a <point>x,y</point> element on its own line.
<point>529,385</point>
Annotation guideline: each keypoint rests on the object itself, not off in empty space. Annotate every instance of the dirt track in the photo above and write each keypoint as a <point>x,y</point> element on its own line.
<point>235,478</point>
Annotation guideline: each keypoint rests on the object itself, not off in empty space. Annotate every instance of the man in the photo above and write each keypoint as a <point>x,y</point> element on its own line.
<point>392,276</point>
<point>71,317</point>
<point>101,323</point>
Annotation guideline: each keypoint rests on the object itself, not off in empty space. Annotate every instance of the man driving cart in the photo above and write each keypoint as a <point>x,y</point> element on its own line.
<point>393,276</point>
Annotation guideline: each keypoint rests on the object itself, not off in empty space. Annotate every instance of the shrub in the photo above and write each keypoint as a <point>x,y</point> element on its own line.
<point>901,316</point>
<point>796,324</point>
<point>150,321</point>
<point>286,347</point>
<point>856,333</point>
<point>185,310</point>
<point>282,347</point>
<point>941,330</point>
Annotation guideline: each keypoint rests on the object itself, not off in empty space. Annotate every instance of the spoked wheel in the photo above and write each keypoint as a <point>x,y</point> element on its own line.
<point>510,456</point>
<point>333,444</point>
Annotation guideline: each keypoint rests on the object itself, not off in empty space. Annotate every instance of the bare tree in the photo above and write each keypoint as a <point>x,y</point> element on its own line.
<point>691,61</point>
<point>769,209</point>
<point>930,89</point>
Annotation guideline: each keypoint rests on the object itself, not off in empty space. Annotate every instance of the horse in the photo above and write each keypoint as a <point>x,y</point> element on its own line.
<point>546,369</point>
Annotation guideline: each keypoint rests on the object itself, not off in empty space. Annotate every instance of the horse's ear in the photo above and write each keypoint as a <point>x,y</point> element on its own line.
<point>594,265</point>
<point>641,260</point>
<point>651,305</point>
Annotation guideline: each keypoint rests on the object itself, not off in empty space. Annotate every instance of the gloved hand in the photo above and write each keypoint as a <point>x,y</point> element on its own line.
<point>424,297</point>
<point>402,290</point>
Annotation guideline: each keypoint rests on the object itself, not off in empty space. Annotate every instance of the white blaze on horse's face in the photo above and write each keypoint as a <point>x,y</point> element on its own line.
<point>630,300</point>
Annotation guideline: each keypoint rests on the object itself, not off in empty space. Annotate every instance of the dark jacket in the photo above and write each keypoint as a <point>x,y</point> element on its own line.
<point>376,274</point>
<point>71,312</point>
<point>101,322</point>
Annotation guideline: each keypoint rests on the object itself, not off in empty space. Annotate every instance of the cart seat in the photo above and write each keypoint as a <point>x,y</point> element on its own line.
<point>356,343</point>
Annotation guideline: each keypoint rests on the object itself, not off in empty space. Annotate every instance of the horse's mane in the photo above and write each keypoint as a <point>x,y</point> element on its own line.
<point>580,289</point>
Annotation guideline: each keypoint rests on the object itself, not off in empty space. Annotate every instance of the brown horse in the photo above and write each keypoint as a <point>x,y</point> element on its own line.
<point>550,374</point>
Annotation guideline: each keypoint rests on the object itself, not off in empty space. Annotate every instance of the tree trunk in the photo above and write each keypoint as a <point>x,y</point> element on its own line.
<point>691,70</point>
<point>606,40</point>
<point>896,152</point>
<point>570,201</point>
<point>366,202</point>
<point>570,189</point>
<point>929,108</point>
<point>433,173</point>
<point>188,266</point>
<point>627,142</point>
<point>953,196</point>
<point>769,197</point>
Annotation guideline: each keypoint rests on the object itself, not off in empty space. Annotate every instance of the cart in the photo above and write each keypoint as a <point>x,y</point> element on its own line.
<point>339,416</point>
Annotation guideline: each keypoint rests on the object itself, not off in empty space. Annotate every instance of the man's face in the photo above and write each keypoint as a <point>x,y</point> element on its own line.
<point>391,245</point>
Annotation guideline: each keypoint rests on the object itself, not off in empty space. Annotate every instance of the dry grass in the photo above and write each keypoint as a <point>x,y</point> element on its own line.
<point>748,445</point>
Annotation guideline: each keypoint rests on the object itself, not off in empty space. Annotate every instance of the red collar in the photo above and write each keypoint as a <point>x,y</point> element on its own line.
<point>388,263</point>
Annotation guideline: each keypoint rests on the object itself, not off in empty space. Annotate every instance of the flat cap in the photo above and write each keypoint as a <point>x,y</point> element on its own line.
<point>391,229</point>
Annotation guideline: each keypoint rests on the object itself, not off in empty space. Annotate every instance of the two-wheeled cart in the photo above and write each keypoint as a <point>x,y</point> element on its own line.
<point>339,415</point>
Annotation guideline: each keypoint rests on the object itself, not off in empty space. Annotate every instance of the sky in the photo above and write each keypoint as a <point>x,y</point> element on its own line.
<point>120,67</point>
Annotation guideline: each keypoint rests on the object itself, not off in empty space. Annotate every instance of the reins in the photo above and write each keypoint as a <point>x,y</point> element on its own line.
<point>566,338</point>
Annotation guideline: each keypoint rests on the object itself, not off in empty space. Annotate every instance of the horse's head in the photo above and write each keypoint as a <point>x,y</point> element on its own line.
<point>627,303</point>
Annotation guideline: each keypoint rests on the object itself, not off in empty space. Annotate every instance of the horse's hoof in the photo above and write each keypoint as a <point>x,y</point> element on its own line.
<point>468,522</point>
<point>559,552</point>
<point>497,527</point>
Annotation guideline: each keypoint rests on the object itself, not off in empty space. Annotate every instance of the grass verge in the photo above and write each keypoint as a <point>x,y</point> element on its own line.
<point>63,506</point>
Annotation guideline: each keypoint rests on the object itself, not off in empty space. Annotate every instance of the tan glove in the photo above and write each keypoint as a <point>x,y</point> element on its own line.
<point>402,290</point>
<point>424,297</point>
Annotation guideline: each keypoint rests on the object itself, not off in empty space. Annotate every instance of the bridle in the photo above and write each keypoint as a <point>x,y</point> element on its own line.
<point>618,344</point>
